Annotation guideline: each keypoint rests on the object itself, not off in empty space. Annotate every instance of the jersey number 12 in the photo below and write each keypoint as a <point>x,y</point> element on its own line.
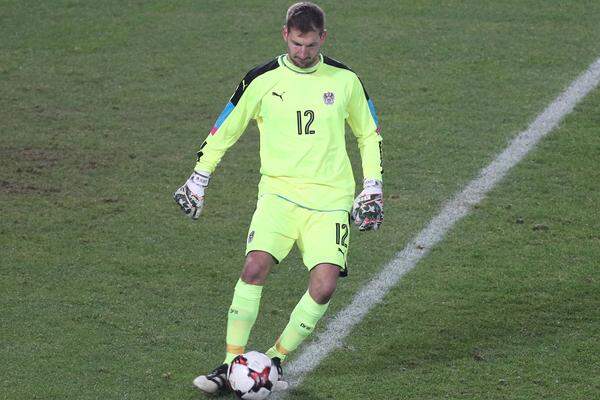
<point>311,117</point>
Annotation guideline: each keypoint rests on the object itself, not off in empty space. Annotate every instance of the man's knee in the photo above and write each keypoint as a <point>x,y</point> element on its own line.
<point>323,281</point>
<point>322,292</point>
<point>257,267</point>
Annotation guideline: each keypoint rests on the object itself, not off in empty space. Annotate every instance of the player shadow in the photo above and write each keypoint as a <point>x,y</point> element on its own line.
<point>294,393</point>
<point>197,395</point>
<point>306,395</point>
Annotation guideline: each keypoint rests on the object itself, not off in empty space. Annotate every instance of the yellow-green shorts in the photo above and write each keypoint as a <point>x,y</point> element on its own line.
<point>321,236</point>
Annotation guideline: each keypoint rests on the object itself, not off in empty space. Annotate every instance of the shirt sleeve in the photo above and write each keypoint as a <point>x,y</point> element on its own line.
<point>228,128</point>
<point>363,120</point>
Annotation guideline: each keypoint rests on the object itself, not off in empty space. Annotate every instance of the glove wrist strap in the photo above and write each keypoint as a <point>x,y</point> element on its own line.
<point>372,183</point>
<point>198,182</point>
<point>200,178</point>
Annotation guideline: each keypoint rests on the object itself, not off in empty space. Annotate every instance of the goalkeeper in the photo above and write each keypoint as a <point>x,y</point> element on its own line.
<point>300,101</point>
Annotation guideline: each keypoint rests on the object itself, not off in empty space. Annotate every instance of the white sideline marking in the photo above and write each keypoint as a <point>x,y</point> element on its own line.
<point>374,291</point>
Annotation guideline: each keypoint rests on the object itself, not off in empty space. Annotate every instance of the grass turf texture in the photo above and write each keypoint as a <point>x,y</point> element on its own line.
<point>506,307</point>
<point>107,291</point>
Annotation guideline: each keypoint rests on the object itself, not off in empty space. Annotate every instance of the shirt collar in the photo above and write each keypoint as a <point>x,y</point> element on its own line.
<point>285,61</point>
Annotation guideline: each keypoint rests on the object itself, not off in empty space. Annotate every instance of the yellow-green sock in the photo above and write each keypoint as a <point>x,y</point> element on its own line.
<point>302,322</point>
<point>242,315</point>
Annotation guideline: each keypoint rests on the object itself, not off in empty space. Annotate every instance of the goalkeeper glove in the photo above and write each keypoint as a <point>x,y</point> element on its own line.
<point>367,211</point>
<point>190,196</point>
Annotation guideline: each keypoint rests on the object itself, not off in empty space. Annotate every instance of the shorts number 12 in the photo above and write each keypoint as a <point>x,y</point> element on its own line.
<point>341,234</point>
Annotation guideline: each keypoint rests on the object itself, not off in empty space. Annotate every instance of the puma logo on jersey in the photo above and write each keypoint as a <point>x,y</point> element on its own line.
<point>278,95</point>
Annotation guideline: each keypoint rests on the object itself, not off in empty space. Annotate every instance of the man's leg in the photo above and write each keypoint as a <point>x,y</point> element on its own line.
<point>246,301</point>
<point>308,311</point>
<point>241,317</point>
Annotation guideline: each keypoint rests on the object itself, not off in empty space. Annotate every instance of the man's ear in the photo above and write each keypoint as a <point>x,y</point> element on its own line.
<point>284,33</point>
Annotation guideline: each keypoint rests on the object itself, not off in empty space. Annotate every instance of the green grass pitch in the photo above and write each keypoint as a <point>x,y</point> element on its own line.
<point>108,292</point>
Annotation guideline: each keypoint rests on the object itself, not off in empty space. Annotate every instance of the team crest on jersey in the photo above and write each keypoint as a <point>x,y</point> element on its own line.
<point>328,98</point>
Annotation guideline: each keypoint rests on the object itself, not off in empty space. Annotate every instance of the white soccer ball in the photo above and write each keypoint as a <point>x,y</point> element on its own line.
<point>251,376</point>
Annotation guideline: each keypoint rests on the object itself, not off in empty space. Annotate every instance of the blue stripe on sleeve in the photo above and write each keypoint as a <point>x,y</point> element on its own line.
<point>373,112</point>
<point>222,117</point>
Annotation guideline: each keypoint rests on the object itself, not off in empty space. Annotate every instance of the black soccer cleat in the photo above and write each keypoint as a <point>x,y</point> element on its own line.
<point>280,384</point>
<point>213,382</point>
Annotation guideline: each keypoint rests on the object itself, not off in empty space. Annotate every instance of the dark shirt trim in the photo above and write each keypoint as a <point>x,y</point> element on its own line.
<point>337,64</point>
<point>250,76</point>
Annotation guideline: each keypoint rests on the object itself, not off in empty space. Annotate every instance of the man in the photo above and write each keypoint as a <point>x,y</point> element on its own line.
<point>300,101</point>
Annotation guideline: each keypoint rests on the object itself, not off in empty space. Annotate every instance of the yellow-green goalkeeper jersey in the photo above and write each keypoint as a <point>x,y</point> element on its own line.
<point>301,115</point>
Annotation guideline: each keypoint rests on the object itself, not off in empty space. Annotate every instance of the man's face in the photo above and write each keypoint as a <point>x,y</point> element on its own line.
<point>303,48</point>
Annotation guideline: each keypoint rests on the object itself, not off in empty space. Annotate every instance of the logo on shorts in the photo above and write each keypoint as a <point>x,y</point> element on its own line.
<point>250,236</point>
<point>328,98</point>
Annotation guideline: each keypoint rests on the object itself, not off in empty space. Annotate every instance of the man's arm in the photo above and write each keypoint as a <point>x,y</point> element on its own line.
<point>363,120</point>
<point>367,211</point>
<point>228,127</point>
<point>242,106</point>
<point>226,131</point>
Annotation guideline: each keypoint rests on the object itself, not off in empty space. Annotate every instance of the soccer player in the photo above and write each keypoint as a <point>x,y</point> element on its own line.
<point>300,101</point>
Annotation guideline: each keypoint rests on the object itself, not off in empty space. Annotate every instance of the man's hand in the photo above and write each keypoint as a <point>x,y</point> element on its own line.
<point>367,211</point>
<point>190,196</point>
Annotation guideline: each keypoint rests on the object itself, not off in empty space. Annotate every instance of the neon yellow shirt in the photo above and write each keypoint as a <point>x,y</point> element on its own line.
<point>301,115</point>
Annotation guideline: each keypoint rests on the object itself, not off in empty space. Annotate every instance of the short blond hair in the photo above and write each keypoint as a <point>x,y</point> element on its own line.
<point>306,17</point>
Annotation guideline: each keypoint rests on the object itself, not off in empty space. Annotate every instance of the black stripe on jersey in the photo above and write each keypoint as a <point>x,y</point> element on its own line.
<point>337,64</point>
<point>250,76</point>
